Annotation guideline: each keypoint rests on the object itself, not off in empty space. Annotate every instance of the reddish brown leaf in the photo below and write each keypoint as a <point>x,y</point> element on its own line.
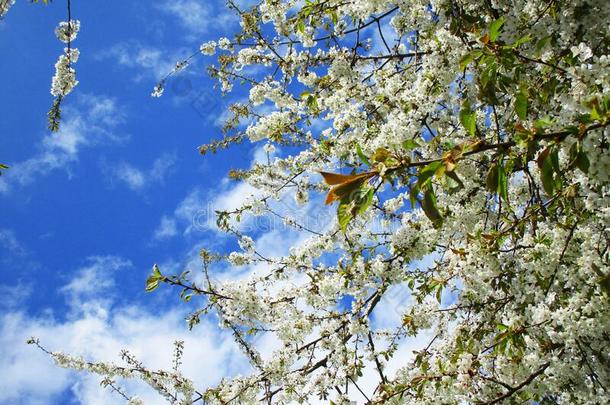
<point>349,184</point>
<point>333,179</point>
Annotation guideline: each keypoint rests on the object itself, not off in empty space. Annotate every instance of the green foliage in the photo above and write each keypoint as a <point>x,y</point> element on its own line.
<point>495,29</point>
<point>429,206</point>
<point>548,162</point>
<point>497,180</point>
<point>362,156</point>
<point>468,118</point>
<point>54,115</point>
<point>154,279</point>
<point>521,104</point>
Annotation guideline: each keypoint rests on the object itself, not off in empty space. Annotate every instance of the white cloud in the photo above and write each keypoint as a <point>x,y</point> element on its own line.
<point>194,15</point>
<point>95,332</point>
<point>91,121</point>
<point>9,242</point>
<point>196,211</point>
<point>14,296</point>
<point>134,178</point>
<point>167,229</point>
<point>197,17</point>
<point>138,179</point>
<point>190,209</point>
<point>150,62</point>
<point>94,280</point>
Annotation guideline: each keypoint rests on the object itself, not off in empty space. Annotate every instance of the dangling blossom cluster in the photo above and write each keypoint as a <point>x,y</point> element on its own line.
<point>67,31</point>
<point>64,79</point>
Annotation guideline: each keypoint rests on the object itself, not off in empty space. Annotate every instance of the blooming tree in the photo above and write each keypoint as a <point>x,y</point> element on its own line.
<point>464,146</point>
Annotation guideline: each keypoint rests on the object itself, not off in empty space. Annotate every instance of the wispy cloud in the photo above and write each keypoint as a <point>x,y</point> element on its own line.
<point>9,242</point>
<point>197,211</point>
<point>139,179</point>
<point>92,120</point>
<point>14,296</point>
<point>92,286</point>
<point>198,17</point>
<point>151,62</point>
<point>166,229</point>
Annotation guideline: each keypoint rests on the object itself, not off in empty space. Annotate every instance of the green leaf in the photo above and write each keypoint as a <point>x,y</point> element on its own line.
<point>344,215</point>
<point>554,156</point>
<point>453,182</point>
<point>300,26</point>
<point>185,295</point>
<point>153,280</point>
<point>466,60</point>
<point>156,272</point>
<point>502,183</point>
<point>594,114</point>
<point>546,171</point>
<point>492,178</point>
<point>354,204</point>
<point>469,58</point>
<point>521,106</point>
<point>151,284</point>
<point>410,144</point>
<point>364,202</point>
<point>582,162</point>
<point>427,172</point>
<point>521,41</point>
<point>439,292</point>
<point>543,122</point>
<point>494,29</point>
<point>381,155</point>
<point>497,180</point>
<point>413,193</point>
<point>468,118</point>
<point>542,43</point>
<point>334,17</point>
<point>430,209</point>
<point>362,156</point>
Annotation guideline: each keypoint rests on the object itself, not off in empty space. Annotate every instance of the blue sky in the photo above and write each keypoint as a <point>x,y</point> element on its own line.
<point>87,211</point>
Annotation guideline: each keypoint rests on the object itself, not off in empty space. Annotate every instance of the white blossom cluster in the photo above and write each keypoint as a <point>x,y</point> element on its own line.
<point>208,48</point>
<point>67,31</point>
<point>64,79</point>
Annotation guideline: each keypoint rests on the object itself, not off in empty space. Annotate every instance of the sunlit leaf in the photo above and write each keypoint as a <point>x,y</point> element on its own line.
<point>335,178</point>
<point>429,206</point>
<point>362,156</point>
<point>468,118</point>
<point>495,27</point>
<point>521,105</point>
<point>427,172</point>
<point>546,171</point>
